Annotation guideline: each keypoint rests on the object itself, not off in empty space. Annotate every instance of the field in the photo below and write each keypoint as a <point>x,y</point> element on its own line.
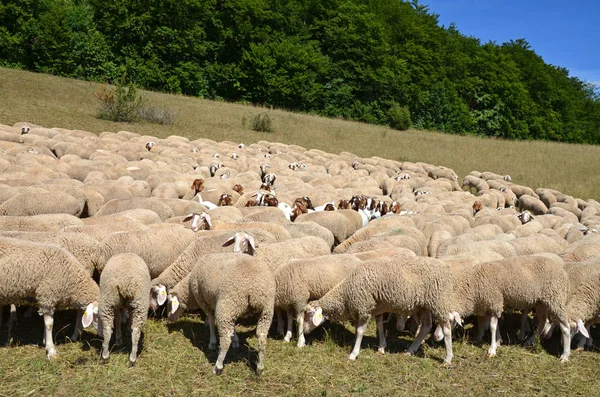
<point>174,359</point>
<point>58,102</point>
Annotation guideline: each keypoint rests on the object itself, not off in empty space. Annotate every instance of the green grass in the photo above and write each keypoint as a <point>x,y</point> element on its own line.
<point>57,102</point>
<point>174,360</point>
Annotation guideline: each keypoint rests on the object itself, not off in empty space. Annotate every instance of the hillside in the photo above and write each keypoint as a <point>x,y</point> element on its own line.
<point>355,59</point>
<point>67,103</point>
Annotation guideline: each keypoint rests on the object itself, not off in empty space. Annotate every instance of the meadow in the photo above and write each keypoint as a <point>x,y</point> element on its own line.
<point>174,359</point>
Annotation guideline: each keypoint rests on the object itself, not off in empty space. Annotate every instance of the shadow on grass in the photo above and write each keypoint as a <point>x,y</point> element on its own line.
<point>199,335</point>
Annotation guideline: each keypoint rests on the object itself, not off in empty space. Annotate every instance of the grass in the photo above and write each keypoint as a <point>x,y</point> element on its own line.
<point>174,361</point>
<point>58,102</point>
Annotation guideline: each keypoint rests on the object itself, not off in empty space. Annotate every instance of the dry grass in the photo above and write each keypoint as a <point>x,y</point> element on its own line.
<point>174,360</point>
<point>59,102</point>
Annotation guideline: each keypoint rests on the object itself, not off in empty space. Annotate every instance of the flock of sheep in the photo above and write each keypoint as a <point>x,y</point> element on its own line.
<point>118,223</point>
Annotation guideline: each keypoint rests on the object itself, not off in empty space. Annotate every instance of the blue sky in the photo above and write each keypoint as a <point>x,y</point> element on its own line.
<point>563,33</point>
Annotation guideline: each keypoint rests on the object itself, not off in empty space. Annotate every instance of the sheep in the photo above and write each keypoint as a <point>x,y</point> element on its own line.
<point>86,249</point>
<point>158,247</point>
<point>389,285</point>
<point>124,283</point>
<point>231,286</point>
<point>117,205</point>
<point>302,229</point>
<point>518,283</point>
<point>49,276</point>
<point>206,242</point>
<point>25,205</point>
<point>532,204</point>
<point>335,221</point>
<point>301,280</point>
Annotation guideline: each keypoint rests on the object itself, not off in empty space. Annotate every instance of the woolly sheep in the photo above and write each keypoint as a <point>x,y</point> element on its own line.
<point>48,275</point>
<point>301,280</point>
<point>388,285</point>
<point>158,247</point>
<point>532,204</point>
<point>124,284</point>
<point>519,283</point>
<point>231,286</point>
<point>334,221</point>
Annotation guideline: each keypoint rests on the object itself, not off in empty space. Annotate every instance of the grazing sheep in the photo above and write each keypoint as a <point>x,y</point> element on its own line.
<point>301,280</point>
<point>49,276</point>
<point>124,284</point>
<point>229,287</point>
<point>519,283</point>
<point>389,285</point>
<point>532,204</point>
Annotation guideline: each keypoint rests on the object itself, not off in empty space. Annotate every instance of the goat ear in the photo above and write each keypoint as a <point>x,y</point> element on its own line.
<point>188,217</point>
<point>88,316</point>
<point>229,241</point>
<point>581,328</point>
<point>251,245</point>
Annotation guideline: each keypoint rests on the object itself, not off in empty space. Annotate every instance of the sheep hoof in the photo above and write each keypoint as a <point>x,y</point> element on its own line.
<point>212,346</point>
<point>491,354</point>
<point>564,359</point>
<point>352,357</point>
<point>130,364</point>
<point>119,342</point>
<point>104,360</point>
<point>301,345</point>
<point>447,364</point>
<point>381,350</point>
<point>217,370</point>
<point>53,355</point>
<point>579,349</point>
<point>259,371</point>
<point>287,338</point>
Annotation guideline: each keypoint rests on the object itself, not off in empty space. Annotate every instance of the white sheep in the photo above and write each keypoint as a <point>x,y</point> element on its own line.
<point>301,280</point>
<point>384,285</point>
<point>124,284</point>
<point>49,276</point>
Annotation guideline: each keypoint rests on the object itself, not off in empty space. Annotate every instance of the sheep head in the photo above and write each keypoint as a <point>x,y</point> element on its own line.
<point>242,242</point>
<point>225,200</point>
<point>149,145</point>
<point>197,185</point>
<point>477,206</point>
<point>199,221</point>
<point>313,317</point>
<point>25,130</point>
<point>158,296</point>
<point>239,189</point>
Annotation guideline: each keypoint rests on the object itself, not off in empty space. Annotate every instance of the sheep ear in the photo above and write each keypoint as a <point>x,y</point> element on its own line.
<point>229,241</point>
<point>88,316</point>
<point>161,294</point>
<point>206,217</point>
<point>174,304</point>
<point>457,318</point>
<point>581,328</point>
<point>317,317</point>
<point>251,245</point>
<point>188,217</point>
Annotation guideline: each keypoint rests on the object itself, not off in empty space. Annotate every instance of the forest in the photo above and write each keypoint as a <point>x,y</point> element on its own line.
<point>359,60</point>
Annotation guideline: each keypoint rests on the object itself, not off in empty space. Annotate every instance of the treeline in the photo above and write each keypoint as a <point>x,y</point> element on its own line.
<point>351,58</point>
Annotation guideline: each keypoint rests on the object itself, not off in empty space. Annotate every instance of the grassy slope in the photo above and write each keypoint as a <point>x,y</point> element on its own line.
<point>58,102</point>
<point>174,359</point>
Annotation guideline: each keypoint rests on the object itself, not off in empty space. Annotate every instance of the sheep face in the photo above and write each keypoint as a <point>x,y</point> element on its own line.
<point>239,189</point>
<point>90,315</point>
<point>175,308</point>
<point>199,221</point>
<point>525,217</point>
<point>158,296</point>
<point>25,130</point>
<point>243,243</point>
<point>477,206</point>
<point>313,317</point>
<point>149,145</point>
<point>225,200</point>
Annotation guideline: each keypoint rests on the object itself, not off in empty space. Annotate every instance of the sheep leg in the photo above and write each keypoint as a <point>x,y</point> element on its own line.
<point>48,325</point>
<point>235,341</point>
<point>262,330</point>
<point>300,322</point>
<point>107,332</point>
<point>361,327</point>
<point>400,322</point>
<point>78,327</point>
<point>447,329</point>
<point>493,329</point>
<point>424,328</point>
<point>226,330</point>
<point>566,340</point>
<point>12,320</point>
<point>483,323</point>
<point>380,331</point>
<point>290,325</point>
<point>135,338</point>
<point>279,322</point>
<point>118,321</point>
<point>212,344</point>
<point>525,329</point>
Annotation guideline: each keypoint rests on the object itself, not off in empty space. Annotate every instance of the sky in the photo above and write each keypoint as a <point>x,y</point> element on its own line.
<point>563,33</point>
